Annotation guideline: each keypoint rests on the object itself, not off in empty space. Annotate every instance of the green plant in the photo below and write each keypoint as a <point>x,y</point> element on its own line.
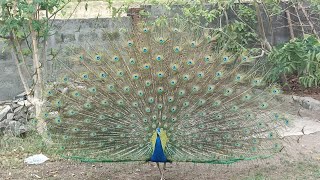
<point>299,57</point>
<point>15,149</point>
<point>21,22</point>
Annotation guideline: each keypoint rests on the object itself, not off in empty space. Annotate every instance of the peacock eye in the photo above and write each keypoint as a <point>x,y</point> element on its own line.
<point>164,77</point>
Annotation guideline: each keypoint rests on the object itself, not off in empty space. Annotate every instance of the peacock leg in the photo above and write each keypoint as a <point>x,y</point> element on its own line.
<point>164,168</point>
<point>160,171</point>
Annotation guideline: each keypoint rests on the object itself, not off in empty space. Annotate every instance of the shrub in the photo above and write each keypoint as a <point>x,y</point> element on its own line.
<point>299,57</point>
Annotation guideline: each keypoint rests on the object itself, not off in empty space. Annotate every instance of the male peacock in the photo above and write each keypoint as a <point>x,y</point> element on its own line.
<point>164,91</point>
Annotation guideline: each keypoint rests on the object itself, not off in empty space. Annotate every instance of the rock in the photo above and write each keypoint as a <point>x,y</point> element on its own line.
<point>27,103</point>
<point>4,112</point>
<point>31,115</point>
<point>301,126</point>
<point>309,114</point>
<point>22,129</point>
<point>21,114</point>
<point>308,103</point>
<point>3,125</point>
<point>10,116</point>
<point>21,103</point>
<point>25,109</point>
<point>21,96</point>
<point>18,109</point>
<point>14,127</point>
<point>22,120</point>
<point>31,109</point>
<point>15,105</point>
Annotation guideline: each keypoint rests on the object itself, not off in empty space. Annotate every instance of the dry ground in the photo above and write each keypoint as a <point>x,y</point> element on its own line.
<point>297,161</point>
<point>300,159</point>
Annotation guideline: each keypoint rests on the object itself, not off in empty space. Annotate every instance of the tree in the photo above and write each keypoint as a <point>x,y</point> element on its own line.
<point>22,24</point>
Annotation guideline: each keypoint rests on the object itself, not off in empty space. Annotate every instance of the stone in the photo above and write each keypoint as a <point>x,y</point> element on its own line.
<point>15,105</point>
<point>22,129</point>
<point>21,97</point>
<point>21,103</point>
<point>31,109</point>
<point>308,103</point>
<point>25,109</point>
<point>27,103</point>
<point>308,125</point>
<point>22,120</point>
<point>20,114</point>
<point>31,115</point>
<point>10,116</point>
<point>18,109</point>
<point>14,127</point>
<point>3,125</point>
<point>4,112</point>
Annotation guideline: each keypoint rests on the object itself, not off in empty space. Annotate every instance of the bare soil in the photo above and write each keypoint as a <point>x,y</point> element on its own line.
<point>299,160</point>
<point>294,87</point>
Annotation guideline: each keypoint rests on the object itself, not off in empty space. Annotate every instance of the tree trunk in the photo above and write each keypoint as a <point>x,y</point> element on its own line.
<point>37,78</point>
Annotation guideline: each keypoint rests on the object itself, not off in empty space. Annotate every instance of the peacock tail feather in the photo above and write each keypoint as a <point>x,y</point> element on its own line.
<point>211,105</point>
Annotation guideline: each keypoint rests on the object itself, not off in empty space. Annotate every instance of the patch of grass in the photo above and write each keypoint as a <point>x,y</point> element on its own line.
<point>13,150</point>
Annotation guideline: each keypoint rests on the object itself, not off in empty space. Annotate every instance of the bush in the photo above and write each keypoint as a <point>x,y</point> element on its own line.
<point>299,57</point>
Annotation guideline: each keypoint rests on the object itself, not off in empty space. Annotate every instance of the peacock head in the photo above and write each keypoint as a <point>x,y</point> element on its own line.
<point>158,131</point>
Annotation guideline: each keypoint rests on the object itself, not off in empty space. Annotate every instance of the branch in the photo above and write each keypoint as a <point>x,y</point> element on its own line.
<point>309,21</point>
<point>301,23</point>
<point>261,27</point>
<point>269,21</point>
<point>290,24</point>
<point>259,56</point>
<point>53,14</point>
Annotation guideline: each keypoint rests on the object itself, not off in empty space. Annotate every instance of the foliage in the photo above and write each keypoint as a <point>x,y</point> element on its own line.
<point>15,16</point>
<point>15,149</point>
<point>197,11</point>
<point>315,5</point>
<point>239,34</point>
<point>300,57</point>
<point>272,6</point>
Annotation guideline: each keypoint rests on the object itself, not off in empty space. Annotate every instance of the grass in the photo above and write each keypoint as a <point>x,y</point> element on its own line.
<point>13,150</point>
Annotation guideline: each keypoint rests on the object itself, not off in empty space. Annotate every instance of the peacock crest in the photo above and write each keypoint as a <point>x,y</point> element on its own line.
<point>166,79</point>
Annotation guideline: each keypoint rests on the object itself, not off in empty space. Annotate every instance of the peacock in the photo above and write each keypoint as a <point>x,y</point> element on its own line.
<point>164,91</point>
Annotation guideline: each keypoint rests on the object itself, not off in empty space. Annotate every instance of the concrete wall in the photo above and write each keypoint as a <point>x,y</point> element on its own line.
<point>74,32</point>
<point>67,34</point>
<point>10,83</point>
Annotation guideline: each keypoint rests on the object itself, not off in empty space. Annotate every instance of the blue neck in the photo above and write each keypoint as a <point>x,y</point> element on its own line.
<point>158,153</point>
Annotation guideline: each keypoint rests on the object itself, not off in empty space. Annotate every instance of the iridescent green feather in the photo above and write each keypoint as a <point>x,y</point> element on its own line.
<point>163,75</point>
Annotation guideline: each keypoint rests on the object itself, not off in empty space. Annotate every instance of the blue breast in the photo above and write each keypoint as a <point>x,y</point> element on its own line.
<point>158,154</point>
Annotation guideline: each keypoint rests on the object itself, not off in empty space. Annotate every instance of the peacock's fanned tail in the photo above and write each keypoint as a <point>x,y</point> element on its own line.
<point>213,105</point>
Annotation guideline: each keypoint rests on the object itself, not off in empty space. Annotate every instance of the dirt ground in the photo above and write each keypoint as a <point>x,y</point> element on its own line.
<point>295,88</point>
<point>299,160</point>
